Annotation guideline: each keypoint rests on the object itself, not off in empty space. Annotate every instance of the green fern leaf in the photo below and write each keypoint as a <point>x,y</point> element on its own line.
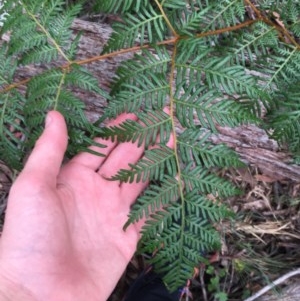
<point>218,75</point>
<point>114,6</point>
<point>12,130</point>
<point>201,179</point>
<point>154,226</point>
<point>290,13</point>
<point>225,13</point>
<point>254,43</point>
<point>194,146</point>
<point>154,199</point>
<point>80,77</point>
<point>147,26</point>
<point>182,239</point>
<point>40,32</point>
<point>148,91</point>
<point>284,121</point>
<point>153,166</point>
<point>188,23</point>
<point>285,67</point>
<point>210,109</point>
<point>198,205</point>
<point>203,59</point>
<point>153,126</point>
<point>145,64</point>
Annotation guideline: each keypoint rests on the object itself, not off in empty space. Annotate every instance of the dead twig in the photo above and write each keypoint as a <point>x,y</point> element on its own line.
<point>273,284</point>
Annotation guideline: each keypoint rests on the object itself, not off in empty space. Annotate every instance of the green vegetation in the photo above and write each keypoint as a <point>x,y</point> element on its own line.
<point>213,62</point>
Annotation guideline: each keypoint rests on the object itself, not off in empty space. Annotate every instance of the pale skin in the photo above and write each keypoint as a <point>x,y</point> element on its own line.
<point>63,235</point>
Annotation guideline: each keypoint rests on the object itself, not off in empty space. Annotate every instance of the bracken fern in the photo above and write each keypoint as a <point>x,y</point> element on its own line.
<point>213,63</point>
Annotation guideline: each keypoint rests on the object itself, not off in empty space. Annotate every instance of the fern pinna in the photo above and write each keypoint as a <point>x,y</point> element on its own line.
<point>213,63</point>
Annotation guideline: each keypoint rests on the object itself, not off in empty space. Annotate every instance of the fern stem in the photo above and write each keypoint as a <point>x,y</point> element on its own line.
<point>3,114</point>
<point>15,85</point>
<point>166,18</point>
<point>44,30</point>
<point>179,175</point>
<point>227,29</point>
<point>281,67</point>
<point>280,29</point>
<point>91,60</point>
<point>62,80</point>
<point>283,32</point>
<point>122,51</point>
<point>257,11</point>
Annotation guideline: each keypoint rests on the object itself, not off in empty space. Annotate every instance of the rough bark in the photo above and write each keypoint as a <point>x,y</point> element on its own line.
<point>252,143</point>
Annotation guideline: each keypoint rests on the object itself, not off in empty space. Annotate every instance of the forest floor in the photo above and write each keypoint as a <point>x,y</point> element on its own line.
<point>259,246</point>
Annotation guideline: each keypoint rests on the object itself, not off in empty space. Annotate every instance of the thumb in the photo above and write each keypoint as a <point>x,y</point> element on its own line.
<point>47,155</point>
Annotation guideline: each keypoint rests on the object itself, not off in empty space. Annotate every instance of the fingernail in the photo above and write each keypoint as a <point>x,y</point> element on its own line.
<point>48,120</point>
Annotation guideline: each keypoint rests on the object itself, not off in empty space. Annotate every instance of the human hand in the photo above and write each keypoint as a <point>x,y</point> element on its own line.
<point>63,238</point>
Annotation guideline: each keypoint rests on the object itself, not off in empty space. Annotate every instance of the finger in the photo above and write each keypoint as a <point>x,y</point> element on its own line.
<point>47,155</point>
<point>120,158</point>
<point>93,161</point>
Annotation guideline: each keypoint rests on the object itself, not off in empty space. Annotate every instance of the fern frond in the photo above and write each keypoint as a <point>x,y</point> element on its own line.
<point>115,6</point>
<point>40,32</point>
<point>144,64</point>
<point>157,222</point>
<point>183,240</point>
<point>285,66</point>
<point>214,62</point>
<point>154,199</point>
<point>50,91</point>
<point>209,108</point>
<point>147,91</point>
<point>290,14</point>
<point>153,126</point>
<point>146,26</point>
<point>285,120</point>
<point>188,22</point>
<point>80,77</point>
<point>8,67</point>
<point>218,74</point>
<point>173,4</point>
<point>295,28</point>
<point>12,130</point>
<point>153,166</point>
<point>253,43</point>
<point>225,13</point>
<point>179,267</point>
<point>194,146</point>
<point>208,210</point>
<point>200,179</point>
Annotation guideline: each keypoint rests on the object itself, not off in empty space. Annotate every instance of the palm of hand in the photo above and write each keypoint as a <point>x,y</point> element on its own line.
<point>68,242</point>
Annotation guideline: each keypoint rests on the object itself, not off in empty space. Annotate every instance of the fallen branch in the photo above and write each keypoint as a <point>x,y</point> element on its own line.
<point>275,283</point>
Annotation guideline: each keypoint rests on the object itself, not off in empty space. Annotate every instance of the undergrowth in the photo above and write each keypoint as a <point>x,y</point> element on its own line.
<point>212,62</point>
